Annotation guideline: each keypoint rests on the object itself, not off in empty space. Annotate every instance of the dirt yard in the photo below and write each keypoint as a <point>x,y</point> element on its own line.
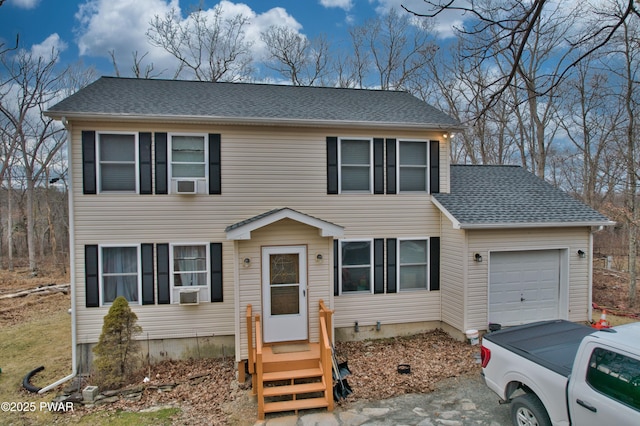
<point>206,390</point>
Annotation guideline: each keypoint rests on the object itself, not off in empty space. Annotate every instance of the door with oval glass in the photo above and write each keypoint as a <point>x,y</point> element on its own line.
<point>284,293</point>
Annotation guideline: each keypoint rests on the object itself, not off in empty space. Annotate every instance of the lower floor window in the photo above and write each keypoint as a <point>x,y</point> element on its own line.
<point>120,266</point>
<point>356,264</point>
<point>413,264</point>
<point>189,263</point>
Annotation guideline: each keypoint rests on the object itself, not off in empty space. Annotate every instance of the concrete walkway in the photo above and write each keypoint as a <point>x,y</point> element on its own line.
<point>457,402</point>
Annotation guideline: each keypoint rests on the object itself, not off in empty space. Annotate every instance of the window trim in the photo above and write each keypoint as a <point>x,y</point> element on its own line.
<point>173,289</point>
<point>399,166</point>
<point>101,272</point>
<point>399,265</point>
<point>371,265</point>
<point>371,165</point>
<point>205,140</point>
<point>136,143</point>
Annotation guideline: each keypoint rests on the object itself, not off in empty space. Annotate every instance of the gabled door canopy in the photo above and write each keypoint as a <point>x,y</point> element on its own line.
<point>242,230</point>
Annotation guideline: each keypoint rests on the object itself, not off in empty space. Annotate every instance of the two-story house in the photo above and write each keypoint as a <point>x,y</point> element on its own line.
<point>194,200</point>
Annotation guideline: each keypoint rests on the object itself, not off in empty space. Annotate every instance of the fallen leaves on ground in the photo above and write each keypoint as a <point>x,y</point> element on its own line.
<point>208,394</point>
<point>431,357</point>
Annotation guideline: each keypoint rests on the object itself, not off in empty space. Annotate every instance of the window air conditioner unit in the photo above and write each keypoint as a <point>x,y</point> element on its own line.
<point>188,186</point>
<point>190,297</point>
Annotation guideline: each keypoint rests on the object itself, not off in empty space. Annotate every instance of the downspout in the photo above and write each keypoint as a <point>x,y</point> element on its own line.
<point>590,268</point>
<point>72,267</point>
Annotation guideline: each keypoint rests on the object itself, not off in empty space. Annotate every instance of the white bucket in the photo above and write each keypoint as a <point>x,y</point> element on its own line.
<point>473,336</point>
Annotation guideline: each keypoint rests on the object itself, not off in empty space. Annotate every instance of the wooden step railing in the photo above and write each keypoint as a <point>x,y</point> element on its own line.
<point>293,381</point>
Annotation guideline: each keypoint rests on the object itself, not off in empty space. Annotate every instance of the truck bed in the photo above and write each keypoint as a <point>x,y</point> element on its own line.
<point>552,344</point>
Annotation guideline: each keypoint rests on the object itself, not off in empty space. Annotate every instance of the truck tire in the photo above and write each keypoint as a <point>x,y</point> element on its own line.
<point>528,410</point>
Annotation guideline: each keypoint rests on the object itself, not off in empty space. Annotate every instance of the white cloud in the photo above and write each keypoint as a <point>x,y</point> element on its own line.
<point>121,25</point>
<point>51,46</point>
<point>443,24</point>
<point>342,4</point>
<point>24,4</point>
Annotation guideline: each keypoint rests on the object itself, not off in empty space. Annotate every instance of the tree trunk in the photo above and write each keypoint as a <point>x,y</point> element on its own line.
<point>31,240</point>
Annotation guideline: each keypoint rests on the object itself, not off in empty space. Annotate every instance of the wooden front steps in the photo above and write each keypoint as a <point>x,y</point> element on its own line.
<point>293,381</point>
<point>296,378</point>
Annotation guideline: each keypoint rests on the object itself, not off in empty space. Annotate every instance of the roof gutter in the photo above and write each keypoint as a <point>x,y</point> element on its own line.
<point>72,271</point>
<point>511,225</point>
<point>516,225</point>
<point>253,121</point>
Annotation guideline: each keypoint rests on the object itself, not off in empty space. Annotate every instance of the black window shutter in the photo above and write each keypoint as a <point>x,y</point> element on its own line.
<point>434,167</point>
<point>434,263</point>
<point>144,142</point>
<point>378,265</point>
<point>147,274</point>
<point>378,166</point>
<point>216,272</point>
<point>162,253</point>
<point>332,165</point>
<point>161,163</point>
<point>391,166</point>
<point>92,293</point>
<point>88,162</point>
<point>336,268</point>
<point>215,174</point>
<point>392,286</point>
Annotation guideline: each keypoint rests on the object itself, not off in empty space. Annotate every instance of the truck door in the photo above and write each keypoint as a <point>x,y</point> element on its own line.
<point>605,389</point>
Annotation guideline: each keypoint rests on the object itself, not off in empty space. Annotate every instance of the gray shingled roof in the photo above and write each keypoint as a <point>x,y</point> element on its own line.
<point>509,196</point>
<point>122,98</point>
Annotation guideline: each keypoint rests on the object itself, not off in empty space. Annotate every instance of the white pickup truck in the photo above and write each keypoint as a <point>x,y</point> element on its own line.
<point>562,373</point>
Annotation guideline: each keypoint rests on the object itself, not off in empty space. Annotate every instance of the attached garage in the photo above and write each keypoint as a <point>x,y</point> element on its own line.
<point>514,249</point>
<point>524,286</point>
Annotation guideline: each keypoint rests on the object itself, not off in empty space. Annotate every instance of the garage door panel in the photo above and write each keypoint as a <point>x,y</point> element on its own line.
<point>524,286</point>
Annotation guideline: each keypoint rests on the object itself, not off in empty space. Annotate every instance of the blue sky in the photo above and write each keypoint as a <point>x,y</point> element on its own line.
<point>88,29</point>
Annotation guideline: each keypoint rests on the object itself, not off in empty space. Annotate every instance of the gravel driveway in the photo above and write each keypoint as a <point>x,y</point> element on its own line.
<point>458,401</point>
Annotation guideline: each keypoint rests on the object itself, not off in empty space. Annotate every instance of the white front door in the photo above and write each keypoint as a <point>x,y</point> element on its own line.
<point>284,293</point>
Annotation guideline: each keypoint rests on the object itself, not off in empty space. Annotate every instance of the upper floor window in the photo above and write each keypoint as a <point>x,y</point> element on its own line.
<point>188,156</point>
<point>119,273</point>
<point>413,167</point>
<point>356,173</point>
<point>413,264</point>
<point>356,263</point>
<point>117,160</point>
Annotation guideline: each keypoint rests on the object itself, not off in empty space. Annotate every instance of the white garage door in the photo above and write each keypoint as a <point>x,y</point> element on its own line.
<point>524,286</point>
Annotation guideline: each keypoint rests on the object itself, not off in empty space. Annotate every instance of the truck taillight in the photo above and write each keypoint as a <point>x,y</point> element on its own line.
<point>485,356</point>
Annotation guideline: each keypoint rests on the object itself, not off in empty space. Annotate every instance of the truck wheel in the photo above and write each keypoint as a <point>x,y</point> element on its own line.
<point>528,410</point>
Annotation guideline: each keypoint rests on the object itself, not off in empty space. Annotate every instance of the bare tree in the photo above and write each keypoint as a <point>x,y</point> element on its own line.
<point>510,24</point>
<point>389,51</point>
<point>206,44</point>
<point>33,83</point>
<point>590,120</point>
<point>302,61</point>
<point>137,68</point>
<point>625,51</point>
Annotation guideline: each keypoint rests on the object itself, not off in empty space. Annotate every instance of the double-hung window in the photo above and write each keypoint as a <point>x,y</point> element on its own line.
<point>413,167</point>
<point>356,172</point>
<point>119,273</point>
<point>356,263</point>
<point>189,268</point>
<point>413,264</point>
<point>188,157</point>
<point>117,162</point>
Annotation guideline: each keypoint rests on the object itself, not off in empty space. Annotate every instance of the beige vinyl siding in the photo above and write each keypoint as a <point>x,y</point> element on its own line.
<point>285,232</point>
<point>485,241</point>
<point>453,267</point>
<point>262,168</point>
